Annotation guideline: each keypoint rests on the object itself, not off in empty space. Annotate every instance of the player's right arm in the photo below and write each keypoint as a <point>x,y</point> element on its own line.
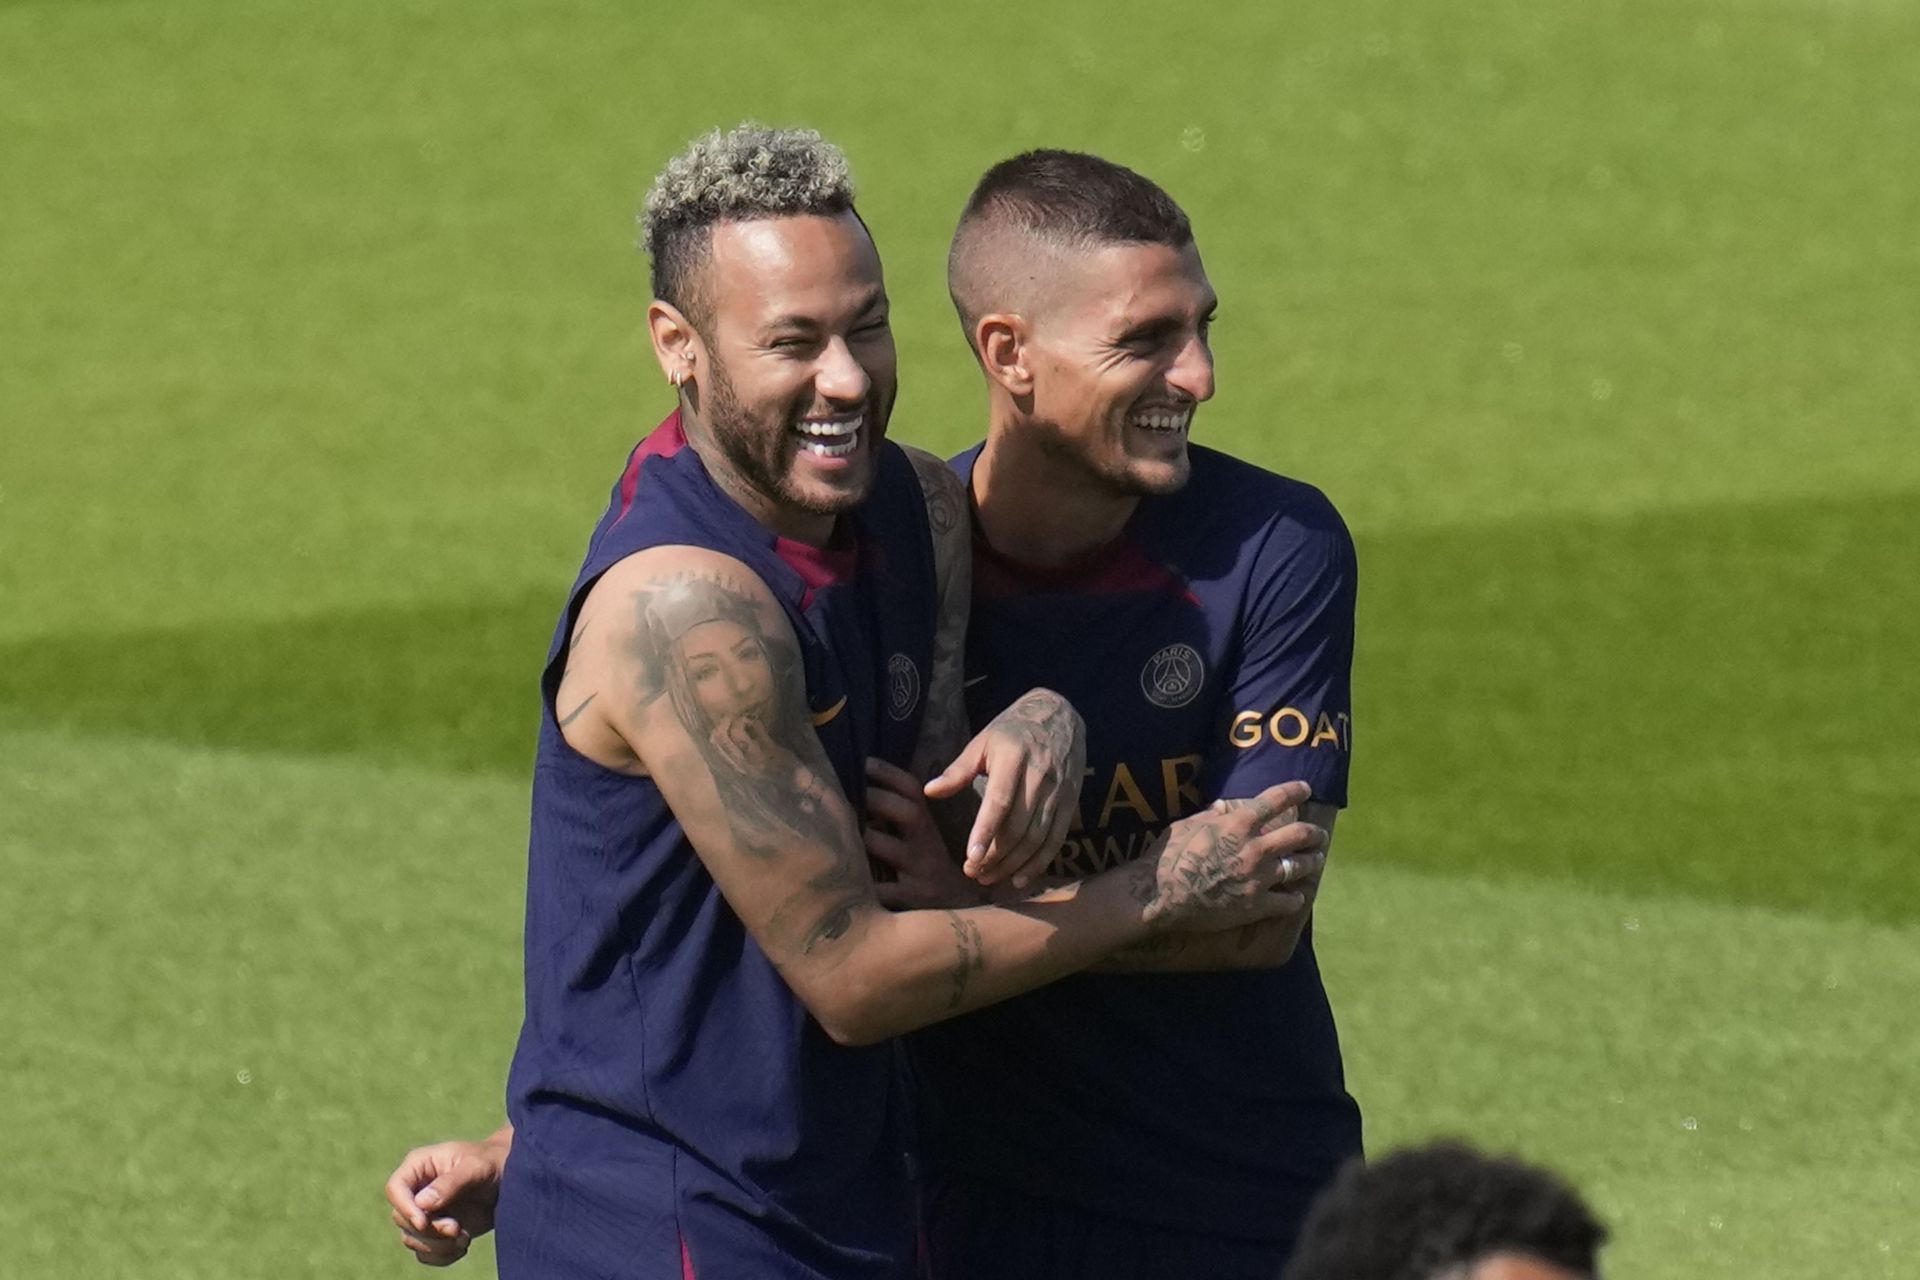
<point>704,706</point>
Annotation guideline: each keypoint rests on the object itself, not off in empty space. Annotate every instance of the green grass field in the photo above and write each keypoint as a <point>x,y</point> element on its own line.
<point>320,341</point>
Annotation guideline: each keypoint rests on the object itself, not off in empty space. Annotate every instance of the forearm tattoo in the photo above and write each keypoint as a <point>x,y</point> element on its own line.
<point>969,958</point>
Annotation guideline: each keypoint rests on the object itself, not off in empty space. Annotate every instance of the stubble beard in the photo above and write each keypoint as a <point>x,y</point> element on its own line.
<point>759,450</point>
<point>1118,478</point>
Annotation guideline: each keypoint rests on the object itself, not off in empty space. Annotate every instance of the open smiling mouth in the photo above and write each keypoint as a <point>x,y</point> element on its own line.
<point>1163,422</point>
<point>830,437</point>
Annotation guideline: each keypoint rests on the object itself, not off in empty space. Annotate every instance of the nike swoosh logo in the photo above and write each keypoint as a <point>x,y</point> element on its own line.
<point>822,717</point>
<point>968,684</point>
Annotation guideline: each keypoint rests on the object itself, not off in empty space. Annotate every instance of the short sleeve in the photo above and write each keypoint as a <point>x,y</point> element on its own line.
<point>1287,710</point>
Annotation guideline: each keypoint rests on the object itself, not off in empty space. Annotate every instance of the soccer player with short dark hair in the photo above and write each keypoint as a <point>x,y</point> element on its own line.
<point>705,1083</point>
<point>1174,1112</point>
<point>1447,1212</point>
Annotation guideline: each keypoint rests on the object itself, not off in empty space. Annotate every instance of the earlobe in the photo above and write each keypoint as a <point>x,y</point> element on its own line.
<point>675,343</point>
<point>1002,341</point>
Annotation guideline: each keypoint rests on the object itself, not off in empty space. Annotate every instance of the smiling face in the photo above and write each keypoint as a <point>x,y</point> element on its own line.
<point>1120,362</point>
<point>800,375</point>
<point>728,670</point>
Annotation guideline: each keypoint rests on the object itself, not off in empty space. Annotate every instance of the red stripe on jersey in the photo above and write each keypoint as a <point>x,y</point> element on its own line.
<point>663,441</point>
<point>1119,567</point>
<point>818,567</point>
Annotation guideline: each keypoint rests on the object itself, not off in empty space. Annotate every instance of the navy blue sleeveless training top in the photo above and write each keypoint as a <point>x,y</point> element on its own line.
<point>677,1111</point>
<point>1209,650</point>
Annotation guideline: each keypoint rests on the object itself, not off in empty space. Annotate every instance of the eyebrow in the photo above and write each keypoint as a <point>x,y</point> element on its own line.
<point>1161,325</point>
<point>876,297</point>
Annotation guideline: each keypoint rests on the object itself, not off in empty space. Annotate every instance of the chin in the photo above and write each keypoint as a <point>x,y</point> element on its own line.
<point>830,500</point>
<point>1156,479</point>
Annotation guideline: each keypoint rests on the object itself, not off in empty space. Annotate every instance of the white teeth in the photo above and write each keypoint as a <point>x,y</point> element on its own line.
<point>1163,421</point>
<point>834,449</point>
<point>832,428</point>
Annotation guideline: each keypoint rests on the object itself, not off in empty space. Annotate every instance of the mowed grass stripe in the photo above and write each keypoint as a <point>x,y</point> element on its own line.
<point>1734,1086</point>
<point>1713,700</point>
<point>312,307</point>
<point>240,988</point>
<point>246,984</point>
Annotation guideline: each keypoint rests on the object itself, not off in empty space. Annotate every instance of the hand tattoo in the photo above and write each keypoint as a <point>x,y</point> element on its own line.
<point>1196,869</point>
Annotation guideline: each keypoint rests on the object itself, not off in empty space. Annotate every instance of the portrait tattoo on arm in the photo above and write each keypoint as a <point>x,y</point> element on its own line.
<point>702,644</point>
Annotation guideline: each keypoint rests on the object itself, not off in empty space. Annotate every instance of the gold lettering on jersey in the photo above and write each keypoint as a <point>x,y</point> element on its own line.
<point>1177,776</point>
<point>1131,791</point>
<point>1079,823</point>
<point>1246,729</point>
<point>1292,727</point>
<point>1090,855</point>
<point>1296,727</point>
<point>1323,731</point>
<point>1123,790</point>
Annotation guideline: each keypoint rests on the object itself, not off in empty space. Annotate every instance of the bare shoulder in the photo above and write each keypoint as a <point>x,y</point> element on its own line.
<point>657,629</point>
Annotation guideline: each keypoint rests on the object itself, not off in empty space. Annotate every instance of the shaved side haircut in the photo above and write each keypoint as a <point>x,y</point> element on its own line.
<point>1433,1212</point>
<point>746,173</point>
<point>1043,204</point>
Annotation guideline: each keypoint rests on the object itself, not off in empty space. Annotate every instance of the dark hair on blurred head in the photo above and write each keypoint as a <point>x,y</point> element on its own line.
<point>1063,199</point>
<point>1418,1213</point>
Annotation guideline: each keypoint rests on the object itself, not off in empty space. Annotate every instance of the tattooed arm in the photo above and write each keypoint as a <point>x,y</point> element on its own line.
<point>900,834</point>
<point>943,729</point>
<point>1267,944</point>
<point>1032,755</point>
<point>691,668</point>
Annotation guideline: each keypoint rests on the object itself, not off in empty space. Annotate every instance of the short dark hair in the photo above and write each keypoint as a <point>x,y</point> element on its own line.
<point>1064,198</point>
<point>1416,1213</point>
<point>750,171</point>
<point>1076,197</point>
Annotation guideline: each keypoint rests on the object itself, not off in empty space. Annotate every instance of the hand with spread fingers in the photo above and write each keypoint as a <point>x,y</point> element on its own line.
<point>1032,757</point>
<point>443,1196</point>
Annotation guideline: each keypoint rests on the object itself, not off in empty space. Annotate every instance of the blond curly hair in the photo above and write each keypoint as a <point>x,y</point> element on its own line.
<point>746,172</point>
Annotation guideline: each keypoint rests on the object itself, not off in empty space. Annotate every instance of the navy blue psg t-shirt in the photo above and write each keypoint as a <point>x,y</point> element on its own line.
<point>677,1111</point>
<point>1209,649</point>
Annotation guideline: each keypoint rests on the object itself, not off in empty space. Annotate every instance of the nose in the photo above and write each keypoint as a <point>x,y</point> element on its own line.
<point>1192,371</point>
<point>840,377</point>
<point>737,683</point>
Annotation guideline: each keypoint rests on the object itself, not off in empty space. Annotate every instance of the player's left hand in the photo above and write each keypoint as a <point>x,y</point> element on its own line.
<point>1033,756</point>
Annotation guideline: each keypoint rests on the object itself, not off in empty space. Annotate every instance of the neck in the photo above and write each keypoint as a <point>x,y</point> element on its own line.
<point>1038,508</point>
<point>782,519</point>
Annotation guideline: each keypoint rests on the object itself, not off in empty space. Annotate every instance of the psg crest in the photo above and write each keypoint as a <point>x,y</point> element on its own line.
<point>1173,676</point>
<point>903,686</point>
